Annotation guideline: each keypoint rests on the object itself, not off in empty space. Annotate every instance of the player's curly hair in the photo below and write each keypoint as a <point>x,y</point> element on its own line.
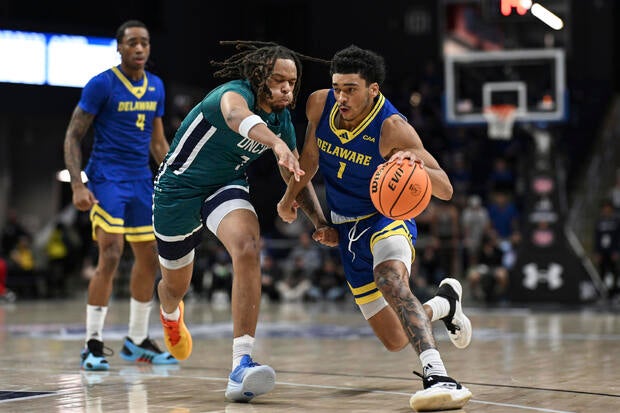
<point>256,61</point>
<point>368,64</point>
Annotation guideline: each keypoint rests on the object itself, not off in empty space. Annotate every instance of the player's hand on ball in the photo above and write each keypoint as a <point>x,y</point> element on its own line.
<point>400,156</point>
<point>326,235</point>
<point>400,190</point>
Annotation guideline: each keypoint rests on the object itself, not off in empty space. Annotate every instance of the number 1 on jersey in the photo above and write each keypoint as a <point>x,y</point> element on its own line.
<point>341,170</point>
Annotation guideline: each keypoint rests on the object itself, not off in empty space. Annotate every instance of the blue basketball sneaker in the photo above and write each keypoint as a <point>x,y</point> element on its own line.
<point>146,352</point>
<point>249,380</point>
<point>93,356</point>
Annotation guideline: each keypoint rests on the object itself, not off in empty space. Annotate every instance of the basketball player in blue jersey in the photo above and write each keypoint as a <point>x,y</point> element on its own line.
<point>202,184</point>
<point>125,105</point>
<point>353,128</point>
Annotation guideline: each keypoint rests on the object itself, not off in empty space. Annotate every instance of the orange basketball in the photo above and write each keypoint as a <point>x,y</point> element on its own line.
<point>400,191</point>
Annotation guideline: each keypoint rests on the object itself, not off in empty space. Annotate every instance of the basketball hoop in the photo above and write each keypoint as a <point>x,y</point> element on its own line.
<point>500,119</point>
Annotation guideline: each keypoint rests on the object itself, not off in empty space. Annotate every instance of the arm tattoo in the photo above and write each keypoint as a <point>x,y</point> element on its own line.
<point>78,126</point>
<point>412,315</point>
<point>304,199</point>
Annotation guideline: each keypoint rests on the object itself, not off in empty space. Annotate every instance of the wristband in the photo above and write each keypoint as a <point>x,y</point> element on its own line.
<point>248,123</point>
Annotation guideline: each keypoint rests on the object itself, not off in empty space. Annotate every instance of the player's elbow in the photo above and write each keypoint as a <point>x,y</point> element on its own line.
<point>444,191</point>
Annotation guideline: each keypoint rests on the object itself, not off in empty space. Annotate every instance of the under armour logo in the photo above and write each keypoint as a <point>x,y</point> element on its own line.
<point>534,275</point>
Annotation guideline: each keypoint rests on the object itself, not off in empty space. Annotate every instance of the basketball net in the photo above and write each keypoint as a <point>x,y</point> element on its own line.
<point>500,119</point>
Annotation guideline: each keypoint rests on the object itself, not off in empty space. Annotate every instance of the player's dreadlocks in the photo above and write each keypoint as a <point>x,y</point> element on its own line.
<point>255,62</point>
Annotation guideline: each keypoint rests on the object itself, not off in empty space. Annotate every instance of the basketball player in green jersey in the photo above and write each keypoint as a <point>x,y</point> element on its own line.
<point>202,184</point>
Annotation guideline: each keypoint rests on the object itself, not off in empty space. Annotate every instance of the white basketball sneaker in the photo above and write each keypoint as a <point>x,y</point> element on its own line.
<point>457,323</point>
<point>249,380</point>
<point>440,393</point>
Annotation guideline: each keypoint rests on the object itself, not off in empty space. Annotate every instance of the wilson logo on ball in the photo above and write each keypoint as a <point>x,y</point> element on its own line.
<point>400,191</point>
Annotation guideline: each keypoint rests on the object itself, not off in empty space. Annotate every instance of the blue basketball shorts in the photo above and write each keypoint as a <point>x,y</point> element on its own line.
<point>357,239</point>
<point>125,207</point>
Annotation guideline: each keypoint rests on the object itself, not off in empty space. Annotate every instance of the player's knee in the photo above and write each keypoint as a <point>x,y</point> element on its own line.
<point>110,254</point>
<point>389,275</point>
<point>247,249</point>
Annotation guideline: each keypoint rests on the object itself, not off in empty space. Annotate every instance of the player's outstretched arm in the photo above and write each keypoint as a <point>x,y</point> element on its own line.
<point>242,120</point>
<point>309,162</point>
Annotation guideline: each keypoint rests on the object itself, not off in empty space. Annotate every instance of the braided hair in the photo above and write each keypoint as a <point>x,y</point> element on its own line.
<point>255,62</point>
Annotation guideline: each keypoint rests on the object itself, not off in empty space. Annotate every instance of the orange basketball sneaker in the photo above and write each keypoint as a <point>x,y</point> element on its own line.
<point>176,336</point>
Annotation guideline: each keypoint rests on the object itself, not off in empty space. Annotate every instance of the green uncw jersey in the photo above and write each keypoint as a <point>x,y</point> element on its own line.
<point>206,154</point>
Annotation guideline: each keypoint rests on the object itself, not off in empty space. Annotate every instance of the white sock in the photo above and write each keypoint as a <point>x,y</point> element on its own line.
<point>95,317</point>
<point>241,346</point>
<point>139,314</point>
<point>432,364</point>
<point>173,316</point>
<point>440,307</point>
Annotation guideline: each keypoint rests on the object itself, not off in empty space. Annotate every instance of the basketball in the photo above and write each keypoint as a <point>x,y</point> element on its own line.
<point>400,191</point>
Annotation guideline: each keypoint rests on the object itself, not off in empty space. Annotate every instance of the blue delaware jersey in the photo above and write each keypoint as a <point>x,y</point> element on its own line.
<point>124,112</point>
<point>348,159</point>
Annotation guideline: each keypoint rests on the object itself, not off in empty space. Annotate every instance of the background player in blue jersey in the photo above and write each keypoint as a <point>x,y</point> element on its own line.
<point>353,128</point>
<point>125,105</point>
<point>202,183</point>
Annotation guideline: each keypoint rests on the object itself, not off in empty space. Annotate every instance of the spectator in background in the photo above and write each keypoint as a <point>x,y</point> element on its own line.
<point>6,295</point>
<point>306,250</point>
<point>427,261</point>
<point>501,177</point>
<point>11,233</point>
<point>296,282</point>
<point>328,282</point>
<point>271,275</point>
<point>607,246</point>
<point>445,228</point>
<point>58,261</point>
<point>21,267</point>
<point>221,272</point>
<point>474,222</point>
<point>503,214</point>
<point>460,174</point>
<point>488,277</point>
<point>22,256</point>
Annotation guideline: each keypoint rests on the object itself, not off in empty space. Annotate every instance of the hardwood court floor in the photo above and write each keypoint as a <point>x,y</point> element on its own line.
<point>326,359</point>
